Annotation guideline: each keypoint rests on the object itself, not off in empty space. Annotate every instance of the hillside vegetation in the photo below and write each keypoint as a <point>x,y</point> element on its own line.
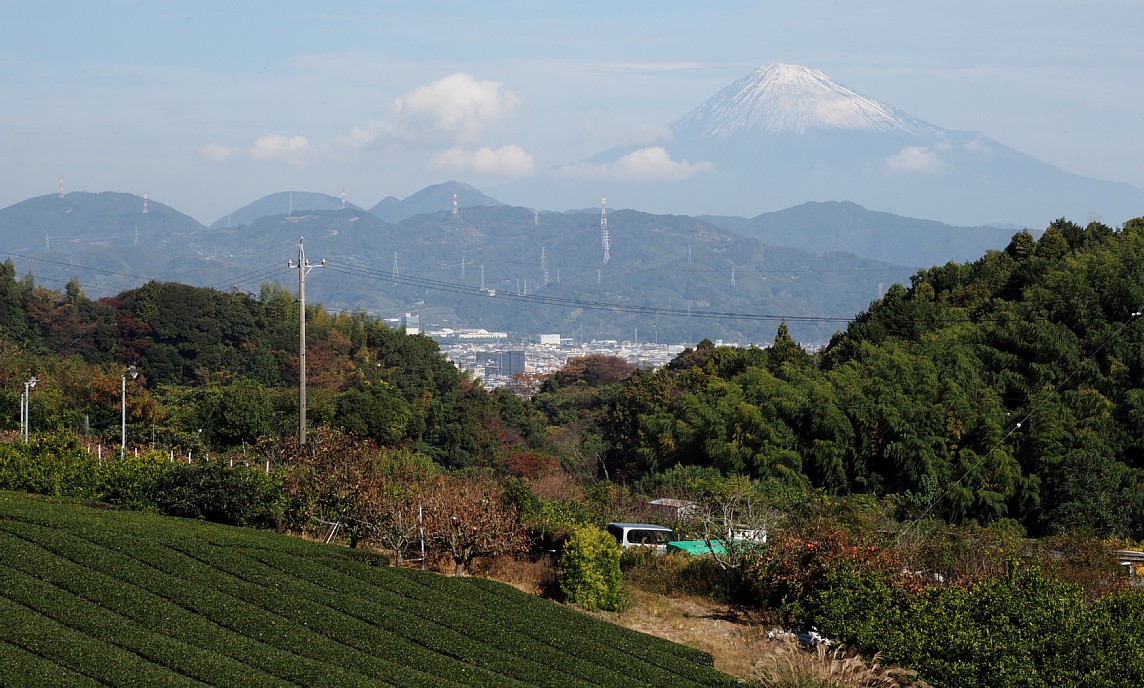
<point>96,597</point>
<point>943,483</point>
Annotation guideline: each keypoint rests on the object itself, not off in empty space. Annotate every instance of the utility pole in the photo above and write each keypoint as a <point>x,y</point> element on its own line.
<point>304,266</point>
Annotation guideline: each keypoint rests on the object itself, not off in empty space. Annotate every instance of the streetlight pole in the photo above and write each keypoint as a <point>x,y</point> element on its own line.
<point>134,373</point>
<point>27,408</point>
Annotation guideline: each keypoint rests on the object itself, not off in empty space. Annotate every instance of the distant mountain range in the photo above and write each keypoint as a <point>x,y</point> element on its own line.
<point>430,200</point>
<point>281,203</point>
<point>850,228</point>
<point>670,278</point>
<point>787,134</point>
<point>784,136</point>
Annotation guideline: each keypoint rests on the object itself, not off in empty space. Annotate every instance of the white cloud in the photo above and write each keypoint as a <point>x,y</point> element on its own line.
<point>216,152</point>
<point>507,161</point>
<point>295,150</point>
<point>644,165</point>
<point>455,108</point>
<point>458,106</point>
<point>363,135</point>
<point>917,160</point>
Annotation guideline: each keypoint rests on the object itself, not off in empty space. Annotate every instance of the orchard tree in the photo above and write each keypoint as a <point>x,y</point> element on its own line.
<point>323,478</point>
<point>733,519</point>
<point>388,504</point>
<point>467,517</point>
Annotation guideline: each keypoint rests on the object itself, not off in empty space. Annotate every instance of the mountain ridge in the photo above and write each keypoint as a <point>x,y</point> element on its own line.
<point>786,134</point>
<point>783,97</point>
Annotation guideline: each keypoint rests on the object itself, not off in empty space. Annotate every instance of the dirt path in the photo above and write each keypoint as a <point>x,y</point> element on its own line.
<point>732,640</point>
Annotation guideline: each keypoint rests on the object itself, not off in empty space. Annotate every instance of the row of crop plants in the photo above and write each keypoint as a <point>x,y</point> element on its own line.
<point>556,629</point>
<point>156,602</point>
<point>517,634</point>
<point>186,603</point>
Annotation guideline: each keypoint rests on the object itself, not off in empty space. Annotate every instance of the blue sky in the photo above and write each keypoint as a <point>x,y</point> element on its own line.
<point>207,106</point>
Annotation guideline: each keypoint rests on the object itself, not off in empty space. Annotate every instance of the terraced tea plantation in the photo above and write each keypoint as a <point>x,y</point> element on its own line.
<point>91,597</point>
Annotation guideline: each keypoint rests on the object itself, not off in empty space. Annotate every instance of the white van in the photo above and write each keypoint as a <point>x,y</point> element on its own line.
<point>642,535</point>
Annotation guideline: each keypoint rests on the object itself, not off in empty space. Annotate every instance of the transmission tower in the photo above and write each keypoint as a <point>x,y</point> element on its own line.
<point>604,238</point>
<point>396,273</point>
<point>544,265</point>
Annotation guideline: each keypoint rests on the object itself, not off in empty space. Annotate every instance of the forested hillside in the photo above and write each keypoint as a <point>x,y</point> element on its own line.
<point>219,371</point>
<point>1010,388</point>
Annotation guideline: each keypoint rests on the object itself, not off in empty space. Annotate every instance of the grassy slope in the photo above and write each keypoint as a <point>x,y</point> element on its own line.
<point>94,597</point>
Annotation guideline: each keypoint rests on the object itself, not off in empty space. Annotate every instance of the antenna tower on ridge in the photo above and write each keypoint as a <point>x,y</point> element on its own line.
<point>61,187</point>
<point>456,210</point>
<point>145,209</point>
<point>604,238</point>
<point>343,198</point>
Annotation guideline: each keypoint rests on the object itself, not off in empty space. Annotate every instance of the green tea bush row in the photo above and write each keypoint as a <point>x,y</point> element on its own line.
<point>201,604</point>
<point>91,656</point>
<point>516,654</point>
<point>19,666</point>
<point>298,626</point>
<point>96,621</point>
<point>437,626</point>
<point>195,593</point>
<point>156,613</point>
<point>636,658</point>
<point>56,465</point>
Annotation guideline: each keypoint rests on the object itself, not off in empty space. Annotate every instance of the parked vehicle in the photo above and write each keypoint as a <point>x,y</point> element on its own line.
<point>642,535</point>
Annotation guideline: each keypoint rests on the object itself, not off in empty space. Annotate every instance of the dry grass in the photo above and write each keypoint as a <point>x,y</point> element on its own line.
<point>739,643</point>
<point>787,664</point>
<point>533,577</point>
<point>696,622</point>
<point>742,647</point>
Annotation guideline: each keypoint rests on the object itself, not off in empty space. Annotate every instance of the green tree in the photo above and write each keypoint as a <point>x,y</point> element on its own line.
<point>589,572</point>
<point>377,411</point>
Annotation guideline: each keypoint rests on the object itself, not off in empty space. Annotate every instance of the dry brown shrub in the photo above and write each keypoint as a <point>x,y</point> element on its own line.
<point>785,663</point>
<point>556,486</point>
<point>535,577</point>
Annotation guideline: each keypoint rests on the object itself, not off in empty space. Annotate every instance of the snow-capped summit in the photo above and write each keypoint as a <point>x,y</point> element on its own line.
<point>786,134</point>
<point>786,98</point>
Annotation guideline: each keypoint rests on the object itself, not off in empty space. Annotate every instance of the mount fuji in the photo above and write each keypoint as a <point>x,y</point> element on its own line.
<point>788,134</point>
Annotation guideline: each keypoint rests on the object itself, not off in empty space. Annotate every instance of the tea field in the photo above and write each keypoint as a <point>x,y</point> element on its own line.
<point>93,597</point>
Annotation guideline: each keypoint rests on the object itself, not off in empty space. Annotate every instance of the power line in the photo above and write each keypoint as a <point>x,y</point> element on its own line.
<point>550,300</point>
